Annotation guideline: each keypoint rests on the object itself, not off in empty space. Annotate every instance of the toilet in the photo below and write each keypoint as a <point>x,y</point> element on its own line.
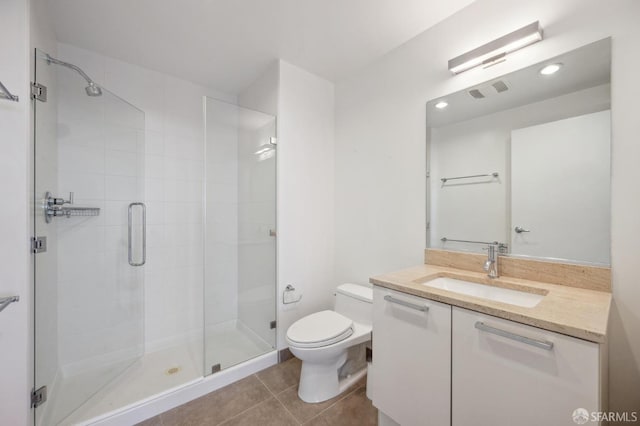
<point>321,341</point>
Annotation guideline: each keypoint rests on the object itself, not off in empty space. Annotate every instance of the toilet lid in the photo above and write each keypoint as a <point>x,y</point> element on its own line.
<point>320,329</point>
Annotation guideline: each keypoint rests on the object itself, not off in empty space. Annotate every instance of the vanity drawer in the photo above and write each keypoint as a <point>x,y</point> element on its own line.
<point>505,373</point>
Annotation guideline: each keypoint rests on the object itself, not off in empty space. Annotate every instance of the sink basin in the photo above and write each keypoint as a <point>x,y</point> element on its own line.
<point>496,294</point>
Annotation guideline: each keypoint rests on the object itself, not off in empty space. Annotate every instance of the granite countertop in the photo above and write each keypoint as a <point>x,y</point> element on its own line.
<point>576,312</point>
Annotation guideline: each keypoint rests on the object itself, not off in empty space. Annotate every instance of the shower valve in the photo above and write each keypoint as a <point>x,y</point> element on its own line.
<point>52,201</point>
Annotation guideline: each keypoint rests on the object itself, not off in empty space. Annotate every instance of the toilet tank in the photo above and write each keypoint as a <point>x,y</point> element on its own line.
<point>356,302</point>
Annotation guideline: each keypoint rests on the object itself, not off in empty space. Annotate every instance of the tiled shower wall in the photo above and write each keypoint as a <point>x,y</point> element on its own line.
<point>173,186</point>
<point>100,158</point>
<point>221,247</point>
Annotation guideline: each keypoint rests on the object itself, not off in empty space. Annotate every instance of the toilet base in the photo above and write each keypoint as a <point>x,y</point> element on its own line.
<point>320,382</point>
<point>319,377</point>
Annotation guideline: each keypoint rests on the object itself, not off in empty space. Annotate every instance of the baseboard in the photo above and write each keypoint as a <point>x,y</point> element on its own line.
<point>284,355</point>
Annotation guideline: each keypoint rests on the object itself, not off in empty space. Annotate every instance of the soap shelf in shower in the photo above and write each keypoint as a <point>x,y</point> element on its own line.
<point>73,211</point>
<point>57,211</point>
<point>55,207</point>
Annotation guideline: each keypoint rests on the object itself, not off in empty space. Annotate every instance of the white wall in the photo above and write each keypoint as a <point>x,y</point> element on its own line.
<point>305,193</point>
<point>15,320</point>
<point>262,94</point>
<point>380,146</point>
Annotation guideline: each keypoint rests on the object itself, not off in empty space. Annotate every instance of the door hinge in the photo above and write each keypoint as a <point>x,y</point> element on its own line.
<point>38,397</point>
<point>39,92</point>
<point>272,325</point>
<point>368,354</point>
<point>38,244</point>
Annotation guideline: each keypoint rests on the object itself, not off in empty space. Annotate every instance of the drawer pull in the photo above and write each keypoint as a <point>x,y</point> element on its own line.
<point>422,308</point>
<point>509,335</point>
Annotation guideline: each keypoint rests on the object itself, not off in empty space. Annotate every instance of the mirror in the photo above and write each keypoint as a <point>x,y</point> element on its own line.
<point>524,160</point>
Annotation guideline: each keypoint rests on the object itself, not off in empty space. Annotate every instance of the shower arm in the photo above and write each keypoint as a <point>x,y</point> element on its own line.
<point>77,69</point>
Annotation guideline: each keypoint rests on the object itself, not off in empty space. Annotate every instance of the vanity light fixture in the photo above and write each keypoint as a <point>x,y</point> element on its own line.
<point>441,104</point>
<point>497,49</point>
<point>551,69</point>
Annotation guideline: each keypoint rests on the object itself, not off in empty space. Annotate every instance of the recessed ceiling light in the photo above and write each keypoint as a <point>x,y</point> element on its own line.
<point>550,69</point>
<point>442,104</point>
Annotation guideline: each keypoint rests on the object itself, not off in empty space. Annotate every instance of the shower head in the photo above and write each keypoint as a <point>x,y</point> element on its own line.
<point>92,89</point>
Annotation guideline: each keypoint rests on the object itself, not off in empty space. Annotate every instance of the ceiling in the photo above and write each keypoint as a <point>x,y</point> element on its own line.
<point>226,44</point>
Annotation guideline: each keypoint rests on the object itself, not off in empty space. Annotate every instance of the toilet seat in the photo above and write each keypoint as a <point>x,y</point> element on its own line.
<point>320,329</point>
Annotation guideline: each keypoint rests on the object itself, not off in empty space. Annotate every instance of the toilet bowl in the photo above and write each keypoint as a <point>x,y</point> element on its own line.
<point>321,341</point>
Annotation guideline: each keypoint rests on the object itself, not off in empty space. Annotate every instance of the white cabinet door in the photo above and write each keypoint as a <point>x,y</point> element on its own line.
<point>505,381</point>
<point>411,358</point>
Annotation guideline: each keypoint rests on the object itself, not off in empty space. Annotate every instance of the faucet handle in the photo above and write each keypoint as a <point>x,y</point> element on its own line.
<point>53,201</point>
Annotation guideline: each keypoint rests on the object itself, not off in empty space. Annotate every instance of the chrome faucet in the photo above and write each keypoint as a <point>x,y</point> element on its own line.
<point>491,264</point>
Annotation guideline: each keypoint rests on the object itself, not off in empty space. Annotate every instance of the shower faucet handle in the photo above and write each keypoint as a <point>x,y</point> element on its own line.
<point>52,201</point>
<point>61,201</point>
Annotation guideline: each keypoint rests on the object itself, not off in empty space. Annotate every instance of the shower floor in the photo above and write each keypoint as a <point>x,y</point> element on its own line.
<point>228,344</point>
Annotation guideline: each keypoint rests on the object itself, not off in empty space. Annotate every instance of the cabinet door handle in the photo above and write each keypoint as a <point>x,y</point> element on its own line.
<point>509,335</point>
<point>421,308</point>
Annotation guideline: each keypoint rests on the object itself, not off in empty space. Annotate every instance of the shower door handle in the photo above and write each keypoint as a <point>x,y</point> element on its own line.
<point>144,234</point>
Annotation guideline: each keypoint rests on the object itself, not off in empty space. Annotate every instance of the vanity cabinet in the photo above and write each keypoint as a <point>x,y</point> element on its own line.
<point>505,373</point>
<point>411,358</point>
<point>434,364</point>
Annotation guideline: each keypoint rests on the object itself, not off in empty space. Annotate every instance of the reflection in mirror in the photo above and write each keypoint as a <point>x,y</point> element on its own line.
<point>524,160</point>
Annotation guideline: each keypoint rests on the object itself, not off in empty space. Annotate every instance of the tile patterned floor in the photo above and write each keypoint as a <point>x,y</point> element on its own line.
<point>270,397</point>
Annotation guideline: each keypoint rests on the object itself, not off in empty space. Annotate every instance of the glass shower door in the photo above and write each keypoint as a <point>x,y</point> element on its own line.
<point>88,283</point>
<point>240,238</point>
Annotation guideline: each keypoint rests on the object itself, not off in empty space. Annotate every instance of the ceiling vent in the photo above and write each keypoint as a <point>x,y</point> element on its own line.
<point>488,90</point>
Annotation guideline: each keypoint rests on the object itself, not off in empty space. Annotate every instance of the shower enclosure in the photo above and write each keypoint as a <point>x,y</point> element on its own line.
<point>113,325</point>
<point>240,248</point>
